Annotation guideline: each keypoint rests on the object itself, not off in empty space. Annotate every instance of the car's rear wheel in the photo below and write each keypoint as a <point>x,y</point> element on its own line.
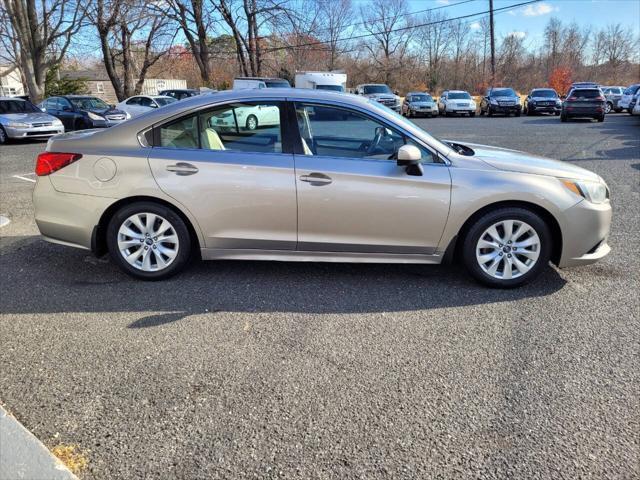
<point>600,118</point>
<point>148,241</point>
<point>507,247</point>
<point>608,107</point>
<point>563,117</point>
<point>3,136</point>
<point>472,114</point>
<point>252,122</point>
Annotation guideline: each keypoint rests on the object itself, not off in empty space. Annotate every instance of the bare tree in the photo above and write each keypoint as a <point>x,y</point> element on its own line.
<point>435,39</point>
<point>336,16</point>
<point>119,24</point>
<point>390,28</point>
<point>615,44</point>
<point>43,32</point>
<point>197,22</point>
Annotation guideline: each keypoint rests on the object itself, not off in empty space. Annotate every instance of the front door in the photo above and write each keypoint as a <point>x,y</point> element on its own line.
<point>237,182</point>
<point>352,195</point>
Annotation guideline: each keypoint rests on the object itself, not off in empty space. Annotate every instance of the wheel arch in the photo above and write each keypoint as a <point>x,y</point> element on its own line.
<point>99,239</point>
<point>548,217</point>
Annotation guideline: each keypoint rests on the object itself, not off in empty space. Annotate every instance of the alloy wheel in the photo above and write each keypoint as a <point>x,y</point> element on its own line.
<point>607,108</point>
<point>3,135</point>
<point>148,242</point>
<point>508,249</point>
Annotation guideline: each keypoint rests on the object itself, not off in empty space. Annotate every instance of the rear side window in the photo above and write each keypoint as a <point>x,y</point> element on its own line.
<point>244,127</point>
<point>134,101</point>
<point>632,90</point>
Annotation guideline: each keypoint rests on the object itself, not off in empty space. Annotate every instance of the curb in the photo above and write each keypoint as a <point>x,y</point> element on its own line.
<point>23,456</point>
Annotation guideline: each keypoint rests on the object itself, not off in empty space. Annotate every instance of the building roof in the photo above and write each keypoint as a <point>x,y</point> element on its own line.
<point>98,75</point>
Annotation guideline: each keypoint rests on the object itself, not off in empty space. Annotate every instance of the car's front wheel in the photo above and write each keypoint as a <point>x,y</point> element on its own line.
<point>3,136</point>
<point>148,241</point>
<point>507,247</point>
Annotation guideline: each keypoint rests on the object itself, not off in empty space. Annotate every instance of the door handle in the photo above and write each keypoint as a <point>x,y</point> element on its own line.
<point>316,179</point>
<point>182,169</point>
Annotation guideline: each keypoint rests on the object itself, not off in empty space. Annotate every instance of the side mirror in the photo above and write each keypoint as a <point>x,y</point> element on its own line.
<point>396,92</point>
<point>43,109</point>
<point>409,156</point>
<point>153,105</point>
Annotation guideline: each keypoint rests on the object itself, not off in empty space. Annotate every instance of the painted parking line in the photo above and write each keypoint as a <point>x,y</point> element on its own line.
<point>25,177</point>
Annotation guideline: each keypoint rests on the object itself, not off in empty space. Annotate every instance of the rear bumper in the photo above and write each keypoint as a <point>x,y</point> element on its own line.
<point>594,112</point>
<point>66,218</point>
<point>585,232</point>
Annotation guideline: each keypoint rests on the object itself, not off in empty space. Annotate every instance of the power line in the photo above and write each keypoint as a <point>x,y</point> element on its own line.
<point>400,29</point>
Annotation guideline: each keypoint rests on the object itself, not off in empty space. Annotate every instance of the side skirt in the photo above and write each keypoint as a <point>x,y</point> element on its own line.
<point>300,256</point>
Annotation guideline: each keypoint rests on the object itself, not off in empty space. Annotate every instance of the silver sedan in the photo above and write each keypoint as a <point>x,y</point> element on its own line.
<point>20,119</point>
<point>338,178</point>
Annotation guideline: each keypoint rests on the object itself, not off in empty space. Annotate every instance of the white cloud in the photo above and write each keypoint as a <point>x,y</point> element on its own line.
<point>511,12</point>
<point>517,34</point>
<point>538,9</point>
<point>443,2</point>
<point>475,26</point>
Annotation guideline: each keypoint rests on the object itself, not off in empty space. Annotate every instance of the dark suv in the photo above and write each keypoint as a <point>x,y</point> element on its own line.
<point>78,112</point>
<point>542,100</point>
<point>500,100</point>
<point>584,102</point>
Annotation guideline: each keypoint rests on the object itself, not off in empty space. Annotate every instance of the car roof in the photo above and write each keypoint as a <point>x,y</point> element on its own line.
<point>259,79</point>
<point>13,98</point>
<point>418,93</point>
<point>543,88</point>
<point>456,91</point>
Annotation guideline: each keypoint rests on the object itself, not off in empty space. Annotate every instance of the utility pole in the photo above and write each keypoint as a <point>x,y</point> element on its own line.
<point>493,45</point>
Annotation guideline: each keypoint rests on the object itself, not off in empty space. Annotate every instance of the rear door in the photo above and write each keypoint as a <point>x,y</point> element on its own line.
<point>238,183</point>
<point>352,195</point>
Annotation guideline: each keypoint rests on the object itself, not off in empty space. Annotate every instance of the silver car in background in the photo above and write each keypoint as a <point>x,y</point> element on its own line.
<point>338,178</point>
<point>613,96</point>
<point>20,119</point>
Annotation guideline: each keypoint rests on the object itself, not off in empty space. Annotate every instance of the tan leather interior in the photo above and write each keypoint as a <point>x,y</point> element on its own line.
<point>211,140</point>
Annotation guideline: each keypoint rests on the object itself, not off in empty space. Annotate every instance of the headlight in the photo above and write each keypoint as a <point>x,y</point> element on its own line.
<point>595,192</point>
<point>57,122</point>
<point>18,125</point>
<point>493,101</point>
<point>94,116</point>
<point>127,115</point>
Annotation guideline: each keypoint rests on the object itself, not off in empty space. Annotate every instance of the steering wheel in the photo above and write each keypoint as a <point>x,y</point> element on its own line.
<point>377,139</point>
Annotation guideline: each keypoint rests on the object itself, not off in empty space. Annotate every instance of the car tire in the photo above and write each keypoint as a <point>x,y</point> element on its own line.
<point>518,114</point>
<point>4,138</point>
<point>78,125</point>
<point>617,110</point>
<point>600,118</point>
<point>472,114</point>
<point>481,112</point>
<point>528,112</point>
<point>488,263</point>
<point>489,112</point>
<point>252,122</point>
<point>123,234</point>
<point>563,117</point>
<point>608,107</point>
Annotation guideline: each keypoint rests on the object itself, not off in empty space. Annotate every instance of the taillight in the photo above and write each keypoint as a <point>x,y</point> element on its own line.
<point>49,162</point>
<point>602,99</point>
<point>572,99</point>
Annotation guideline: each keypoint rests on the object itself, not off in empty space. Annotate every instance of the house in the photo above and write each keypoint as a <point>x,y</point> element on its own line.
<point>99,85</point>
<point>10,83</point>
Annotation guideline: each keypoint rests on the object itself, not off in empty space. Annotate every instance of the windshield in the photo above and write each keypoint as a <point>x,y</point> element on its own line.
<point>89,103</point>
<point>502,92</point>
<point>18,106</point>
<point>421,98</point>
<point>459,96</point>
<point>277,84</point>
<point>165,101</point>
<point>544,93</point>
<point>333,88</point>
<point>407,124</point>
<point>369,89</point>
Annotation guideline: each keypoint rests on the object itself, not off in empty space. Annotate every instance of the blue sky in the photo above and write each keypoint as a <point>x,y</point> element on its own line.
<point>530,20</point>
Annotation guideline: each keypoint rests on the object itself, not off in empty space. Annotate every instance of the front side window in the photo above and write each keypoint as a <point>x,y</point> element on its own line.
<point>244,127</point>
<point>134,101</point>
<point>338,132</point>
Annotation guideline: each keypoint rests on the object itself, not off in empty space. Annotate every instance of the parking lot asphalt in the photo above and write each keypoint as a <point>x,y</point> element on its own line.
<point>318,371</point>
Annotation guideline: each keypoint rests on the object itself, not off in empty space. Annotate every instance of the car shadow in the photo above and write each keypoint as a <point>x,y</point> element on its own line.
<point>42,278</point>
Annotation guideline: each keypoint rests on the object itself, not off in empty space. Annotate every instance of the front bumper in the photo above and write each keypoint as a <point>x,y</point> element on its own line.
<point>544,108</point>
<point>505,108</point>
<point>424,110</point>
<point>33,132</point>
<point>585,232</point>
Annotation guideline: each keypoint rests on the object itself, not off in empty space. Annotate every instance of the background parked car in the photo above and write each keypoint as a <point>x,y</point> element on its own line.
<point>585,103</point>
<point>419,103</point>
<point>140,104</point>
<point>613,96</point>
<point>634,101</point>
<point>179,93</point>
<point>381,93</point>
<point>242,83</point>
<point>500,100</point>
<point>636,107</point>
<point>542,100</point>
<point>456,102</point>
<point>627,96</point>
<point>20,119</point>
<point>82,111</point>
<point>249,117</point>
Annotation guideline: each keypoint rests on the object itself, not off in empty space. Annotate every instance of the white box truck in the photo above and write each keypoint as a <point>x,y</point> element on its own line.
<point>335,81</point>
